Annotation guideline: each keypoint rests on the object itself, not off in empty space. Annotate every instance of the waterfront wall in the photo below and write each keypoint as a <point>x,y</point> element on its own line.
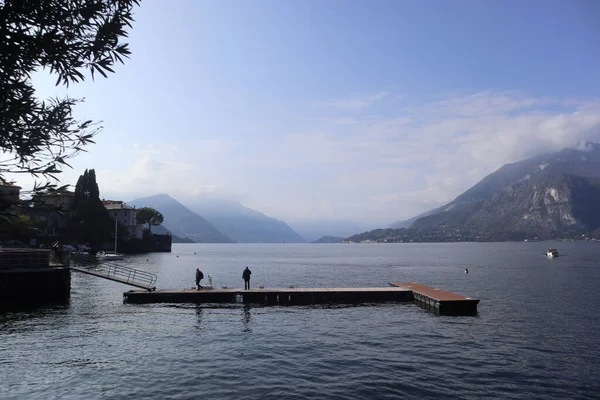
<point>151,243</point>
<point>33,276</point>
<point>162,243</point>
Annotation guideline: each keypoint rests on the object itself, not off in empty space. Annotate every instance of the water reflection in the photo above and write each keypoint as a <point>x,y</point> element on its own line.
<point>199,316</point>
<point>246,318</point>
<point>35,306</point>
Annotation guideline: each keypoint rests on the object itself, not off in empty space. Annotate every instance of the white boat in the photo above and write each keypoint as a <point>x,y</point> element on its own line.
<point>551,253</point>
<point>102,255</point>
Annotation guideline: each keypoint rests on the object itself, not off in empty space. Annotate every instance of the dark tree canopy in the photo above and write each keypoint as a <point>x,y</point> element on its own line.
<point>91,223</point>
<point>66,38</point>
<point>150,216</point>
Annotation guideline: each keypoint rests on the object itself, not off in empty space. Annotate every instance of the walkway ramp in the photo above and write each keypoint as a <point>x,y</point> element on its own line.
<point>119,273</point>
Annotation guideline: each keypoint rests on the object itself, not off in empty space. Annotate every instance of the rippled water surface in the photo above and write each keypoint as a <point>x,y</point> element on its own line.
<point>536,335</point>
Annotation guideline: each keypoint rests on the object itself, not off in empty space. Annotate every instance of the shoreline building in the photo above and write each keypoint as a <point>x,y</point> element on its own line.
<point>125,215</point>
<point>55,206</point>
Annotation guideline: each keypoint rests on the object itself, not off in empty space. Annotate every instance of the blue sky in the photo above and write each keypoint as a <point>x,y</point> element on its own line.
<point>370,111</point>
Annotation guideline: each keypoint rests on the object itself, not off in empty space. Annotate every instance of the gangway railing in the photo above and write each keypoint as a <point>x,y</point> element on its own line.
<point>118,273</point>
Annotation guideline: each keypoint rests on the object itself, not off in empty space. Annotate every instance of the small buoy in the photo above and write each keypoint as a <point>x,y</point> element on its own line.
<point>466,270</point>
<point>178,255</point>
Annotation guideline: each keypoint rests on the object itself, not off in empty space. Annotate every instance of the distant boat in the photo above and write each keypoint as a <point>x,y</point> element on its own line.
<point>551,253</point>
<point>102,255</point>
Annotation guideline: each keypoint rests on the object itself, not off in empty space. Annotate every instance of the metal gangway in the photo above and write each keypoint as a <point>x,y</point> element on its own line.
<point>114,271</point>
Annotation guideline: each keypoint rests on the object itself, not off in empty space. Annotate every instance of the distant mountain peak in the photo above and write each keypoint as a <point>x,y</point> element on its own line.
<point>518,199</point>
<point>160,196</point>
<point>587,146</point>
<point>239,222</point>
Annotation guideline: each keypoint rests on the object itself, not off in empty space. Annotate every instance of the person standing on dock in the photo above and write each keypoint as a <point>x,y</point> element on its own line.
<point>246,275</point>
<point>199,277</point>
<point>56,246</point>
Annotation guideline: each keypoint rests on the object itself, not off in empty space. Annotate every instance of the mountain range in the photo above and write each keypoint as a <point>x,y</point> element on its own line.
<point>181,221</point>
<point>547,196</point>
<point>217,220</point>
<point>314,230</point>
<point>328,239</point>
<point>243,224</point>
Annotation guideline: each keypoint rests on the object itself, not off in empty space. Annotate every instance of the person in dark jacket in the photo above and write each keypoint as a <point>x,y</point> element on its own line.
<point>56,246</point>
<point>246,275</point>
<point>199,277</point>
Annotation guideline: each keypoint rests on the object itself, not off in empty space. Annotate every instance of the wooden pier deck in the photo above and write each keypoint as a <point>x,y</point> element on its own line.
<point>440,301</point>
<point>275,296</point>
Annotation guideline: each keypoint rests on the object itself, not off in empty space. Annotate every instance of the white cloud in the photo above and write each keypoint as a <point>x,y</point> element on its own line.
<point>364,167</point>
<point>385,168</point>
<point>584,145</point>
<point>483,103</point>
<point>185,169</point>
<point>450,144</point>
<point>353,103</point>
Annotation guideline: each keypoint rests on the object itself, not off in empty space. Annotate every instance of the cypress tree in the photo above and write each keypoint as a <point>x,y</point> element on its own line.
<point>91,224</point>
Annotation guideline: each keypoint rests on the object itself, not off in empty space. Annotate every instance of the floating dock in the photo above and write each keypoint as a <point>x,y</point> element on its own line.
<point>290,296</point>
<point>440,301</point>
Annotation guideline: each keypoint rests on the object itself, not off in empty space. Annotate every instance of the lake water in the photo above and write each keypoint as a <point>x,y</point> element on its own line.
<point>537,334</point>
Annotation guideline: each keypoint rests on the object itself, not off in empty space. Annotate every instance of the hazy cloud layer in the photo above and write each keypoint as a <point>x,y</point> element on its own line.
<point>363,166</point>
<point>349,159</point>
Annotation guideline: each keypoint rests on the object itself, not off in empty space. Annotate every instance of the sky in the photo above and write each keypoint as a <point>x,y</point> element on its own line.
<point>369,111</point>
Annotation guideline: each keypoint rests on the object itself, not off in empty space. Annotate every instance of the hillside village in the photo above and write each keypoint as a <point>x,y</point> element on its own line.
<point>52,214</point>
<point>55,215</point>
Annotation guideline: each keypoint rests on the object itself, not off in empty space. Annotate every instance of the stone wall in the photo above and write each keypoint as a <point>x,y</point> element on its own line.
<point>28,276</point>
